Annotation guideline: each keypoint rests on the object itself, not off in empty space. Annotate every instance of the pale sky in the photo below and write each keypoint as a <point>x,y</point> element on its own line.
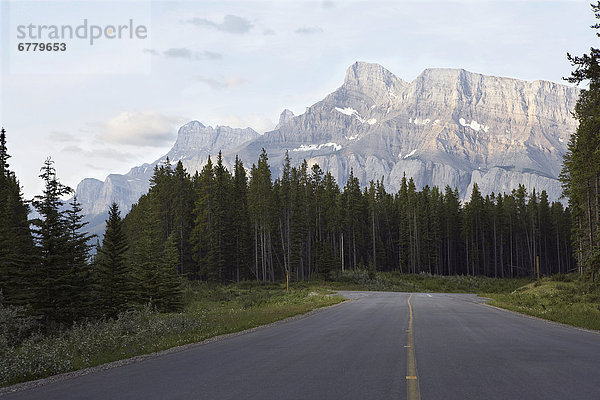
<point>104,108</point>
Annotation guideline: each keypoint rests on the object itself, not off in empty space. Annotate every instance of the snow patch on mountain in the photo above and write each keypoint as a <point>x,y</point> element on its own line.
<point>314,147</point>
<point>476,126</point>
<point>352,112</point>
<point>412,153</point>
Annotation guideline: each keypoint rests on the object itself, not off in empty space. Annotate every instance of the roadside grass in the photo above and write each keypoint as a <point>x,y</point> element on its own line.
<point>398,282</point>
<point>210,310</point>
<point>560,299</point>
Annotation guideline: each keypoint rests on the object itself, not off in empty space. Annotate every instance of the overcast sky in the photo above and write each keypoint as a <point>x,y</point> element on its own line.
<point>103,108</point>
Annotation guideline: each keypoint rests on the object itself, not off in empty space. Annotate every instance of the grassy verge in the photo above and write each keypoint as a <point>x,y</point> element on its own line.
<point>557,299</point>
<point>210,310</point>
<point>397,282</point>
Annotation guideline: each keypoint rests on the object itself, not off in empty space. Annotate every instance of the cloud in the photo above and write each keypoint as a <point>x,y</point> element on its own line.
<point>231,24</point>
<point>141,128</point>
<point>188,54</point>
<point>229,83</point>
<point>59,136</point>
<point>268,32</point>
<point>151,51</point>
<point>308,30</point>
<point>107,153</point>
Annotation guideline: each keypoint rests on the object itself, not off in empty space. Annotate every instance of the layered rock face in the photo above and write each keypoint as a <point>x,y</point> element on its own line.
<point>447,127</point>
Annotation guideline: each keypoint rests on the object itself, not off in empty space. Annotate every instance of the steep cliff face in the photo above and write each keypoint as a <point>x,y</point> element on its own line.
<point>446,127</point>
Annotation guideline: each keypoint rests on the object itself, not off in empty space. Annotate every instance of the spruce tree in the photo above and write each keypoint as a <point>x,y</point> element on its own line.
<point>581,168</point>
<point>17,253</point>
<point>52,280</point>
<point>79,272</point>
<point>169,296</point>
<point>183,206</point>
<point>241,238</point>
<point>202,233</point>
<point>113,276</point>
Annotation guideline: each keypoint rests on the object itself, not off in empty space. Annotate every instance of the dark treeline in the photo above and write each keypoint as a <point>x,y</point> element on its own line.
<point>224,226</point>
<point>229,226</point>
<point>45,266</point>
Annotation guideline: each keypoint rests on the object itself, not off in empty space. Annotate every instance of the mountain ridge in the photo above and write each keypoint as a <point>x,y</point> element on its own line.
<point>446,127</point>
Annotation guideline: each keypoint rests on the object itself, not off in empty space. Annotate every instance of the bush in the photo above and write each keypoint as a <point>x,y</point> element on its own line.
<point>16,324</point>
<point>563,277</point>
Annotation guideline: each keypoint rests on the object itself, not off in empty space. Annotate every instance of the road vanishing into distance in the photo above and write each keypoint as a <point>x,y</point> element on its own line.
<point>453,347</point>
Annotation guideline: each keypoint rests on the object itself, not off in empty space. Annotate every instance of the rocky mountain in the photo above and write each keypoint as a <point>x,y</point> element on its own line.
<point>446,127</point>
<point>195,142</point>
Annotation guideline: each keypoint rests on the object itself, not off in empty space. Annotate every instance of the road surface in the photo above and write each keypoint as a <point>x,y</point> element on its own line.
<point>453,347</point>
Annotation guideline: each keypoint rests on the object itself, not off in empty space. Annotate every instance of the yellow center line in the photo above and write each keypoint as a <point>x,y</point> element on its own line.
<point>412,381</point>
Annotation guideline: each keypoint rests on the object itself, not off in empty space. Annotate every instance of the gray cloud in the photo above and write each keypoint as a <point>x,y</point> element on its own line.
<point>141,128</point>
<point>268,32</point>
<point>230,24</point>
<point>151,51</point>
<point>106,153</point>
<point>178,53</point>
<point>188,54</point>
<point>308,30</point>
<point>219,84</point>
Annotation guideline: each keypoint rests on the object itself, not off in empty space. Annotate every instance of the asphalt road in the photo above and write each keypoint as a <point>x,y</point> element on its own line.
<point>359,350</point>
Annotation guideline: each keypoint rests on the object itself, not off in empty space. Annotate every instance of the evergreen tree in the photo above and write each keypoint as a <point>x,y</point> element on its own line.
<point>183,205</point>
<point>17,253</point>
<point>79,272</point>
<point>169,295</point>
<point>51,232</point>
<point>260,201</point>
<point>222,269</point>
<point>202,232</point>
<point>241,237</point>
<point>114,282</point>
<point>581,168</point>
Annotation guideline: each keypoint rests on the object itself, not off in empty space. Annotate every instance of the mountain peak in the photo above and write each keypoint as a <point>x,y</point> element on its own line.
<point>286,116</point>
<point>362,73</point>
<point>192,126</point>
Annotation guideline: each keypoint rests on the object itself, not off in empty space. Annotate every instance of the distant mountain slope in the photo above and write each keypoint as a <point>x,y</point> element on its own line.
<point>195,142</point>
<point>446,127</point>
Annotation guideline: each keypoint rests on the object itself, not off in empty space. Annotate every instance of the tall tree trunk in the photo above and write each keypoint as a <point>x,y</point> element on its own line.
<point>374,252</point>
<point>495,251</point>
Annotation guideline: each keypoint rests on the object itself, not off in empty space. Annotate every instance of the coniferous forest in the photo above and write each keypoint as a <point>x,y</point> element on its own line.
<point>227,226</point>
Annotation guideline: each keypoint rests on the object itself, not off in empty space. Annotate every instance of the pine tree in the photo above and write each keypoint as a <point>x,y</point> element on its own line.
<point>202,233</point>
<point>114,282</point>
<point>79,272</point>
<point>241,238</point>
<point>581,168</point>
<point>169,295</point>
<point>221,248</point>
<point>183,205</point>
<point>52,280</point>
<point>17,253</point>
<point>146,260</point>
<point>260,192</point>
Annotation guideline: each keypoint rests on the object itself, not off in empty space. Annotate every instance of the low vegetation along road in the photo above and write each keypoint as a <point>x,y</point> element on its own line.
<point>377,346</point>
